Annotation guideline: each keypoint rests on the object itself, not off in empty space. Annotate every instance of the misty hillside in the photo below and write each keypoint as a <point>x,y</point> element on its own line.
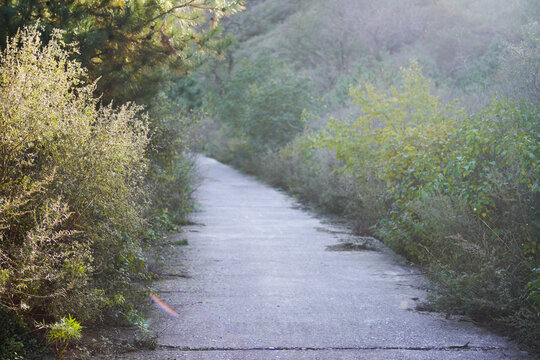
<point>468,47</point>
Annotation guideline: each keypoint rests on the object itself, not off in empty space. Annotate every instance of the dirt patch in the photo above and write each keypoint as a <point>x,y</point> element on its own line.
<point>333,232</point>
<point>350,246</point>
<point>425,307</point>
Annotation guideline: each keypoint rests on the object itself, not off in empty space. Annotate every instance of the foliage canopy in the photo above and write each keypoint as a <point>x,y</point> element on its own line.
<point>126,43</point>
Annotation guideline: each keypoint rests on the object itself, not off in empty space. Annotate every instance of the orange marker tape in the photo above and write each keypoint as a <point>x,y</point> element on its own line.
<point>163,306</point>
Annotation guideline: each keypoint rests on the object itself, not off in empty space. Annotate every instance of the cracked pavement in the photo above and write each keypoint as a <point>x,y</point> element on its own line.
<point>258,281</point>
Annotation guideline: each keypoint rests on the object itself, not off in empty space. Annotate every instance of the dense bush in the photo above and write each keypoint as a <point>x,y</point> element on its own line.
<point>170,175</point>
<point>72,187</point>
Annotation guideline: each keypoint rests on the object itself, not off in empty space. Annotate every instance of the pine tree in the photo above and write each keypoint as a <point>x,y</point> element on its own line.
<point>129,44</point>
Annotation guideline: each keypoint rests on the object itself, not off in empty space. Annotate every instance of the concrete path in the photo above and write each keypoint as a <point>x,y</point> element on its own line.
<point>257,281</point>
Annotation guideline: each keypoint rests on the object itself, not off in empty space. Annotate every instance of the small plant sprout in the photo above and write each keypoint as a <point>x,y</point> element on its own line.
<point>63,332</point>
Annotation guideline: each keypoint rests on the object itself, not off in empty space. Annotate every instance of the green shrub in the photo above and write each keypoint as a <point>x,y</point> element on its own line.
<point>72,190</point>
<point>63,332</point>
<point>170,175</point>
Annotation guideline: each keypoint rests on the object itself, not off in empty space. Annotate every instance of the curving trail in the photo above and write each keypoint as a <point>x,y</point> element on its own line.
<point>257,281</point>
